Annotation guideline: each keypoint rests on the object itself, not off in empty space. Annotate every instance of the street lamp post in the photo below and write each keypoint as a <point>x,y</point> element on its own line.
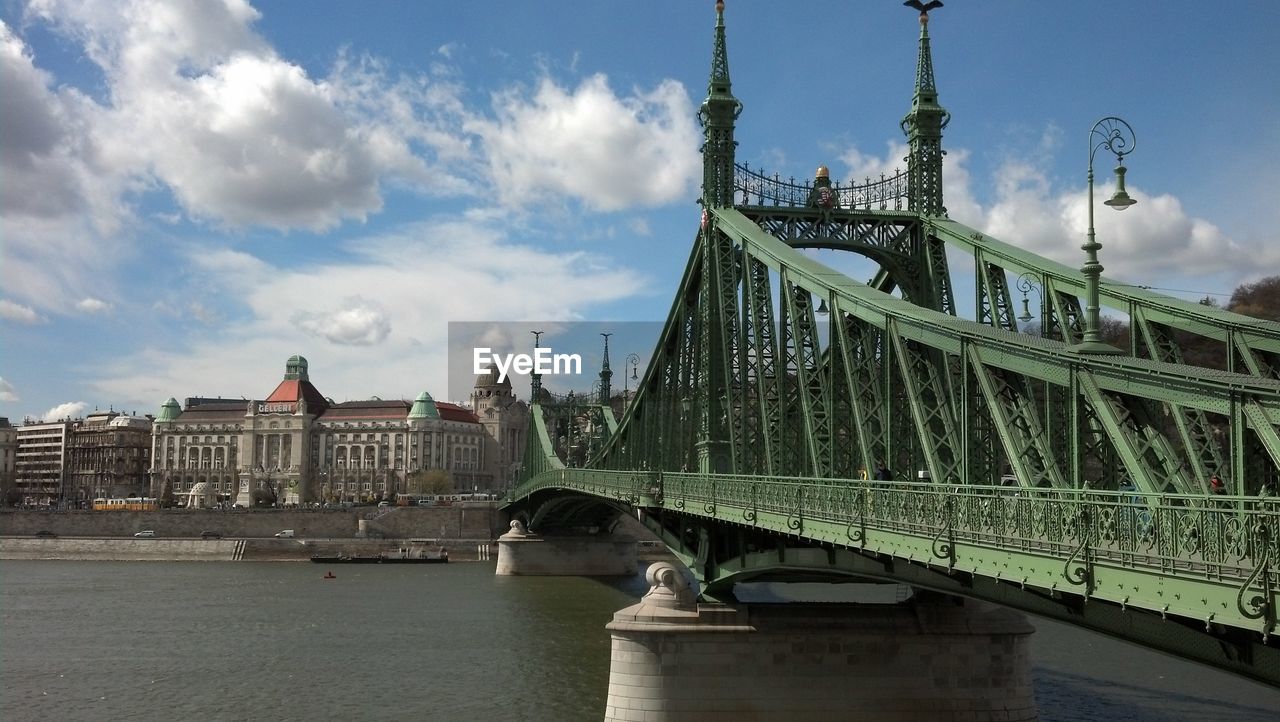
<point>1026,284</point>
<point>632,363</point>
<point>1116,136</point>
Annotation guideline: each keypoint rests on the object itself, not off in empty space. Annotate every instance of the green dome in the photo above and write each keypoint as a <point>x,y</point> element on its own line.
<point>169,410</point>
<point>424,407</point>
<point>296,368</point>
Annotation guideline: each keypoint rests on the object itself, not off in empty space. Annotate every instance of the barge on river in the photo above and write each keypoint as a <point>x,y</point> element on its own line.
<point>415,553</point>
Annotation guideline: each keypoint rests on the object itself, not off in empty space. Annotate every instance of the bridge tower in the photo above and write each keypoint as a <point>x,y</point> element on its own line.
<point>606,374</point>
<point>717,115</point>
<point>923,126</point>
<point>716,315</point>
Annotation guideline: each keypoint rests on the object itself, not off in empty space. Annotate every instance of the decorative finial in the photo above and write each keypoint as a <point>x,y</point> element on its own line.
<point>924,8</point>
<point>823,172</point>
<point>719,6</point>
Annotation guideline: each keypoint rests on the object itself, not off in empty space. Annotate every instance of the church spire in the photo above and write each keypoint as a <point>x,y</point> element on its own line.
<point>923,126</point>
<point>717,115</point>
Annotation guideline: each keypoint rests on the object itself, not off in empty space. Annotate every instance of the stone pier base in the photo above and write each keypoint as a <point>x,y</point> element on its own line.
<point>523,553</point>
<point>676,660</point>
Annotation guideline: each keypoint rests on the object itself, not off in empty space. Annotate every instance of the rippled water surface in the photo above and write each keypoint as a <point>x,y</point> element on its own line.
<point>274,641</point>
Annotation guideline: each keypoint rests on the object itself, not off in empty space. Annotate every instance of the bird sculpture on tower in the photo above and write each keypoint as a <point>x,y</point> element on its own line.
<point>924,8</point>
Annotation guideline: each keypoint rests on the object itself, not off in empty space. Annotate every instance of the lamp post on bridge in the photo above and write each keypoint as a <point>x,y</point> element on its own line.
<point>1026,284</point>
<point>1116,136</point>
<point>633,363</point>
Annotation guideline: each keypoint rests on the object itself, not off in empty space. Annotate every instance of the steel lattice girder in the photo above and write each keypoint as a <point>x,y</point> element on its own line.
<point>1118,381</point>
<point>1257,342</point>
<point>1115,378</point>
<point>1043,359</point>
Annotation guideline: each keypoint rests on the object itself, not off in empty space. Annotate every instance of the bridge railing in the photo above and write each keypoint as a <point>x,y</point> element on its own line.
<point>760,189</point>
<point>1165,532</point>
<point>1205,536</point>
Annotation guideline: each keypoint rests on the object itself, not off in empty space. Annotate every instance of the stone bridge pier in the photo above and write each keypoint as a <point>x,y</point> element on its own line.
<point>932,659</point>
<point>521,552</point>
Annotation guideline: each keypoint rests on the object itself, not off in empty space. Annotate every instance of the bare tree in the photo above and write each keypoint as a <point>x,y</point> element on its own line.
<point>1260,300</point>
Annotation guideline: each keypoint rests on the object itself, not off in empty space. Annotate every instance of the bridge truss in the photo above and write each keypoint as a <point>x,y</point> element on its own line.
<point>1028,473</point>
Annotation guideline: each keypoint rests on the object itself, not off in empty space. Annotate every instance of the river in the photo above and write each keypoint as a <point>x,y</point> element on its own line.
<point>275,641</point>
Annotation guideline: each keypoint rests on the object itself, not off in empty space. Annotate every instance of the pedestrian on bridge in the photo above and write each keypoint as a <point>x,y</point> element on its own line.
<point>1216,486</point>
<point>883,473</point>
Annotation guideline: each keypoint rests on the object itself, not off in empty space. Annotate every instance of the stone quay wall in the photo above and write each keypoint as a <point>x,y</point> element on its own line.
<point>222,550</point>
<point>471,521</point>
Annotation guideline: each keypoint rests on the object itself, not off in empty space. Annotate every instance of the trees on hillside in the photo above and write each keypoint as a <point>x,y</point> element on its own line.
<point>1260,300</point>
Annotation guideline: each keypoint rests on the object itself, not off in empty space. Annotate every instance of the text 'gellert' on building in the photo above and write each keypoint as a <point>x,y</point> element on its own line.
<point>299,446</point>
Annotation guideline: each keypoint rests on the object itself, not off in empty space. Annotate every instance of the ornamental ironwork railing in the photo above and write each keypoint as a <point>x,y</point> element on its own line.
<point>760,189</point>
<point>1220,538</point>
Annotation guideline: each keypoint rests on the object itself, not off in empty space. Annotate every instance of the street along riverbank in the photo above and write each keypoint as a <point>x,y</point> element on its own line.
<point>472,520</point>
<point>176,550</point>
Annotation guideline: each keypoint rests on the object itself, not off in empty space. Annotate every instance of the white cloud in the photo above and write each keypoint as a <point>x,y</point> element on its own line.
<point>639,227</point>
<point>1156,238</point>
<point>194,102</point>
<point>11,311</point>
<point>861,167</point>
<point>36,155</point>
<point>201,104</point>
<point>68,410</point>
<point>201,312</point>
<point>400,290</point>
<point>7,392</point>
<point>587,143</point>
<point>93,305</point>
<point>57,200</point>
<point>359,322</point>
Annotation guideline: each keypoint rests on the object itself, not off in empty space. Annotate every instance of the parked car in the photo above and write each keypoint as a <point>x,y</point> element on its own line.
<point>285,534</point>
<point>147,533</point>
<point>210,535</point>
<point>45,533</point>
<point>384,503</point>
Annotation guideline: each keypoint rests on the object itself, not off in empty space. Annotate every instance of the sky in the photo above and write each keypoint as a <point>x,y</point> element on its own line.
<point>192,192</point>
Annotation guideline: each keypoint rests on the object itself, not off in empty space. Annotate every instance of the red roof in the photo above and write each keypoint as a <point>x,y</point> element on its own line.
<point>453,412</point>
<point>293,390</point>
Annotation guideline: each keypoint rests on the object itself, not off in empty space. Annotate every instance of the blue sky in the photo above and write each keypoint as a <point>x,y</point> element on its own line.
<point>192,192</point>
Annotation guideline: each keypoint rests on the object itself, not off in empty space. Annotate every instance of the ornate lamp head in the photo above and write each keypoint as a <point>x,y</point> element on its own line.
<point>1120,200</point>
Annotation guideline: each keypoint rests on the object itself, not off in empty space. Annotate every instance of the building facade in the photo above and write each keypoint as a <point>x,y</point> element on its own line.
<point>108,455</point>
<point>296,446</point>
<point>506,426</point>
<point>8,457</point>
<point>39,468</point>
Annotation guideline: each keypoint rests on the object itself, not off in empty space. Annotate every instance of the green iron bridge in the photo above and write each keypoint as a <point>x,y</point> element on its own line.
<point>1045,476</point>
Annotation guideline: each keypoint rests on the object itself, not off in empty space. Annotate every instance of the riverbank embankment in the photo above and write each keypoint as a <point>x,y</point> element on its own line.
<point>158,549</point>
<point>247,534</point>
<point>473,520</point>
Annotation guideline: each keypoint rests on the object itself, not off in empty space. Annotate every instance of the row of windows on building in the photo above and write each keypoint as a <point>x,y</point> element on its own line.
<point>337,486</point>
<point>330,439</point>
<point>341,457</point>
